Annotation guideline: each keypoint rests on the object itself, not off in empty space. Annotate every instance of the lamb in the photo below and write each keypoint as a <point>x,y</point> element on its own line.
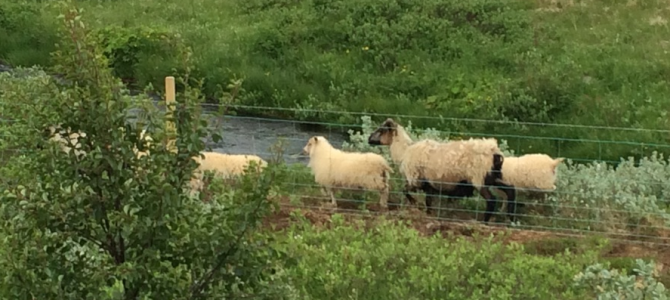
<point>531,171</point>
<point>224,165</point>
<point>456,167</point>
<point>336,169</point>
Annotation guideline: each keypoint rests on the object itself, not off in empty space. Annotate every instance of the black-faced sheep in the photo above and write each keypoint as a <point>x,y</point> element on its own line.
<point>454,168</point>
<point>336,169</point>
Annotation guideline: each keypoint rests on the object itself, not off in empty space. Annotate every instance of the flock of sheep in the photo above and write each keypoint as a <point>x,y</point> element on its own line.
<point>454,168</point>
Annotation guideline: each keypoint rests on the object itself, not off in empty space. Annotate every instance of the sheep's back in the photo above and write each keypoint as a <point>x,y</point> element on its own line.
<point>349,169</point>
<point>531,171</point>
<point>448,163</point>
<point>227,164</point>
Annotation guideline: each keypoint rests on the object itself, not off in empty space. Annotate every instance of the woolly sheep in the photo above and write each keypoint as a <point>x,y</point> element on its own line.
<point>336,169</point>
<point>223,165</point>
<point>74,140</point>
<point>394,135</point>
<point>531,171</point>
<point>57,135</point>
<point>456,168</point>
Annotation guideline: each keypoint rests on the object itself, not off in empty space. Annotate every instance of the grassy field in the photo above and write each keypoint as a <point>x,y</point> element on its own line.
<point>591,62</point>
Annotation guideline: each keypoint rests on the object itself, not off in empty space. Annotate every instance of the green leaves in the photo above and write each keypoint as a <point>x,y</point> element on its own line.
<point>110,224</point>
<point>391,261</point>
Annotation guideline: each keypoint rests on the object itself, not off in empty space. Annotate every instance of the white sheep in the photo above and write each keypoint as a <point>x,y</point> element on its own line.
<point>454,168</point>
<point>535,172</point>
<point>57,134</point>
<point>223,165</point>
<point>337,169</point>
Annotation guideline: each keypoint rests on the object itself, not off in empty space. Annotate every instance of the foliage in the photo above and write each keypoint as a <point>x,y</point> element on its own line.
<point>386,260</point>
<point>109,224</point>
<point>611,284</point>
<point>141,49</point>
<point>460,63</point>
<point>27,33</point>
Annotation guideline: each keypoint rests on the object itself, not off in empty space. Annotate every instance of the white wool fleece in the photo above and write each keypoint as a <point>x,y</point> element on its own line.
<point>334,168</point>
<point>223,165</point>
<point>446,164</point>
<point>531,171</point>
<point>64,144</point>
<point>227,165</point>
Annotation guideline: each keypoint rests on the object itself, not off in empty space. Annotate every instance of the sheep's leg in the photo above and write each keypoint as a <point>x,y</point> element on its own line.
<point>329,190</point>
<point>429,204</point>
<point>410,198</point>
<point>430,192</point>
<point>383,198</point>
<point>510,193</point>
<point>491,202</point>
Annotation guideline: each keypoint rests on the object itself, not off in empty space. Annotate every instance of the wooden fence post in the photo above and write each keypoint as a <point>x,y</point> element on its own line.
<point>169,114</point>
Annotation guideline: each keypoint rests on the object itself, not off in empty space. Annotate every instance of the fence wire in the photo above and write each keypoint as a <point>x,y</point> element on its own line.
<point>628,202</point>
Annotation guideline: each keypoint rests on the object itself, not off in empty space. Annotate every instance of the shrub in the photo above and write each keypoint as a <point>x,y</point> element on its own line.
<point>140,55</point>
<point>609,284</point>
<point>109,225</point>
<point>387,260</point>
<point>26,32</point>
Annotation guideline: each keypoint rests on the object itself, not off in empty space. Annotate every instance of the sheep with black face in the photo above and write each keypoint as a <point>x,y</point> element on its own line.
<point>454,168</point>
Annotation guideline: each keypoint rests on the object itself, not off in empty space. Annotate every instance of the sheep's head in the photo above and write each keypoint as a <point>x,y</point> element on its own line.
<point>312,143</point>
<point>384,134</point>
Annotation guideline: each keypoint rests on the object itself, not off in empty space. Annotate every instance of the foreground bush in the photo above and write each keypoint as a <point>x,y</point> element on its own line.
<point>390,261</point>
<point>109,225</point>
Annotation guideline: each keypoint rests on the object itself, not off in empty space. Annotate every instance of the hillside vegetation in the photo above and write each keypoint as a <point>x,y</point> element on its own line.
<point>110,224</point>
<point>589,62</point>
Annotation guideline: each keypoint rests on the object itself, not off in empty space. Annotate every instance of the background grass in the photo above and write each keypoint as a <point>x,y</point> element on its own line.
<point>590,62</point>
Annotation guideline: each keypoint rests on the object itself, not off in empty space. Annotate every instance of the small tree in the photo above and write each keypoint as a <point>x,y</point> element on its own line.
<point>110,225</point>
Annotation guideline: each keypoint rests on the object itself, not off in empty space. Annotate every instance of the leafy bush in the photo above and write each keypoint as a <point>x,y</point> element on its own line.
<point>142,55</point>
<point>386,260</point>
<point>26,32</point>
<point>611,284</point>
<point>110,225</point>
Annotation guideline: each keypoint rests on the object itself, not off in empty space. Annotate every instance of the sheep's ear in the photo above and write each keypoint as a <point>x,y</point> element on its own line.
<point>558,161</point>
<point>315,139</point>
<point>389,123</point>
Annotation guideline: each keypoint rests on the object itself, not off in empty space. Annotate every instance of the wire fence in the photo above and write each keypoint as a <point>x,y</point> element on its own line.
<point>628,203</point>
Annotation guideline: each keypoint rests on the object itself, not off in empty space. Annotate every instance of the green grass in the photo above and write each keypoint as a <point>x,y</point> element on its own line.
<point>596,62</point>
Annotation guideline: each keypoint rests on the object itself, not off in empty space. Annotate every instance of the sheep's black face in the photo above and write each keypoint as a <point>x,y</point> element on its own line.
<point>375,139</point>
<point>383,134</point>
